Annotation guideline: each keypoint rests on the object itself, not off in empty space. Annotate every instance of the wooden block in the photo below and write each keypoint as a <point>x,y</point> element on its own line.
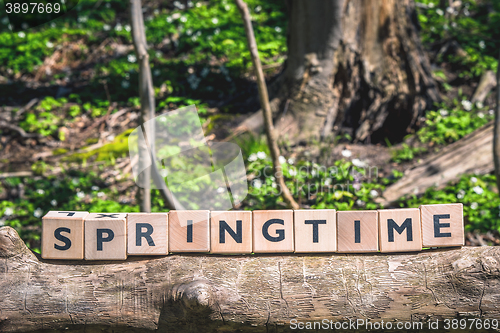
<point>106,236</point>
<point>442,225</point>
<point>315,230</point>
<point>231,232</point>
<point>357,231</point>
<point>62,235</point>
<point>147,234</point>
<point>189,231</point>
<point>272,231</point>
<point>400,230</point>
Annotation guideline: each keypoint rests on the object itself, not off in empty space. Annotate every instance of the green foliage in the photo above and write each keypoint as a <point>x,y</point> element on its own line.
<point>406,153</point>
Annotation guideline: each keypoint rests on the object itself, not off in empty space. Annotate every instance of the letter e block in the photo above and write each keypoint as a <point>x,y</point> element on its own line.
<point>400,230</point>
<point>62,235</point>
<point>273,231</point>
<point>442,225</point>
<point>106,236</point>
<point>231,232</point>
<point>189,231</point>
<point>315,230</point>
<point>357,231</point>
<point>147,234</point>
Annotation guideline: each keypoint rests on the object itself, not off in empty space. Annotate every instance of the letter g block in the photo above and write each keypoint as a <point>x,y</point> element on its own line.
<point>62,235</point>
<point>273,231</point>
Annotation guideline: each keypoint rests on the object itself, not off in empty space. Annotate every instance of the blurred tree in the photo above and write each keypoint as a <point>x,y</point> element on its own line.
<point>496,131</point>
<point>356,64</point>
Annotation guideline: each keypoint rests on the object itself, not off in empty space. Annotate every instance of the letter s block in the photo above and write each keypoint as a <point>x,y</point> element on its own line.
<point>273,231</point>
<point>62,235</point>
<point>442,225</point>
<point>147,234</point>
<point>105,236</point>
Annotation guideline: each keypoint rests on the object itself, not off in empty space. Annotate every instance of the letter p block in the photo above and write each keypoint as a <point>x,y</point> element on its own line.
<point>105,236</point>
<point>62,235</point>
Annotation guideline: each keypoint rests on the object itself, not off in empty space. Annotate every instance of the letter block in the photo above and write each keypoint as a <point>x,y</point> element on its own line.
<point>442,225</point>
<point>147,234</point>
<point>189,231</point>
<point>231,232</point>
<point>62,235</point>
<point>400,230</point>
<point>315,230</point>
<point>106,236</point>
<point>357,231</point>
<point>273,231</point>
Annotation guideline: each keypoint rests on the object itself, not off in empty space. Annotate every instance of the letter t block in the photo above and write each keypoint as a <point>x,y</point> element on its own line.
<point>62,235</point>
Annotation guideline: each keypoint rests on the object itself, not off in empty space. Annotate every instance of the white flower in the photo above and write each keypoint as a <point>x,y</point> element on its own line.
<point>227,7</point>
<point>314,172</point>
<point>292,172</point>
<point>373,193</point>
<point>282,160</point>
<point>156,11</point>
<point>40,191</point>
<point>358,163</point>
<point>439,11</point>
<point>118,27</point>
<point>278,29</point>
<point>430,5</point>
<point>460,194</point>
<point>216,31</point>
<point>125,84</point>
<point>473,179</point>
<point>190,4</point>
<point>127,27</point>
<point>49,44</point>
<point>38,212</point>
<point>95,188</point>
<point>53,202</point>
<point>158,54</point>
<point>106,27</point>
<point>474,205</point>
<point>291,161</point>
<point>131,58</point>
<point>21,34</point>
<point>252,158</point>
<point>257,183</point>
<point>80,194</point>
<point>100,194</point>
<point>479,105</point>
<point>328,181</point>
<point>443,112</point>
<point>198,4</point>
<point>360,203</point>
<point>215,20</point>
<point>482,44</point>
<point>8,211</point>
<point>274,185</point>
<point>346,153</point>
<point>220,190</point>
<point>449,10</point>
<point>110,137</point>
<point>480,115</point>
<point>466,12</point>
<point>169,19</point>
<point>75,181</point>
<point>178,5</point>
<point>189,32</point>
<point>491,111</point>
<point>261,155</point>
<point>258,9</point>
<point>478,190</point>
<point>184,19</point>
<point>176,16</point>
<point>467,105</point>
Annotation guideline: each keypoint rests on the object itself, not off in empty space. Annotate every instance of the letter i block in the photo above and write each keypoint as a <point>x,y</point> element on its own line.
<point>189,231</point>
<point>147,234</point>
<point>400,230</point>
<point>315,230</point>
<point>273,231</point>
<point>231,232</point>
<point>62,235</point>
<point>442,225</point>
<point>357,231</point>
<point>106,236</point>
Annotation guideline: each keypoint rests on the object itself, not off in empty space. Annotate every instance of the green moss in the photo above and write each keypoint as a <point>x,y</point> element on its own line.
<point>59,151</point>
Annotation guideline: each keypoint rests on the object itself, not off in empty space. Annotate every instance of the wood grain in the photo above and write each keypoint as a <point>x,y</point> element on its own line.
<point>188,236</point>
<point>68,228</point>
<point>153,233</point>
<point>442,225</point>
<point>348,232</point>
<point>409,236</point>
<point>315,230</point>
<point>230,244</point>
<point>105,236</point>
<point>273,231</point>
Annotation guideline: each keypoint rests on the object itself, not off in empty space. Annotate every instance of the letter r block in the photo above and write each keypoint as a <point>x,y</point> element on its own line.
<point>442,225</point>
<point>62,235</point>
<point>105,236</point>
<point>400,230</point>
<point>147,234</point>
<point>231,232</point>
<point>315,230</point>
<point>273,231</point>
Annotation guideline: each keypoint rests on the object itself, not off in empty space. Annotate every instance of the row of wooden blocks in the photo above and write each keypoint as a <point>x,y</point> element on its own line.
<point>103,236</point>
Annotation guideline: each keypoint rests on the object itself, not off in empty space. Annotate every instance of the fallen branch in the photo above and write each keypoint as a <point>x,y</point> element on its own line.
<point>188,293</point>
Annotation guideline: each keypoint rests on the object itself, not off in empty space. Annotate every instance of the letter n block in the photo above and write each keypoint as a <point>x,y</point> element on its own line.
<point>315,230</point>
<point>400,230</point>
<point>62,235</point>
<point>357,231</point>
<point>147,234</point>
<point>442,225</point>
<point>273,231</point>
<point>231,232</point>
<point>189,231</point>
<point>105,236</point>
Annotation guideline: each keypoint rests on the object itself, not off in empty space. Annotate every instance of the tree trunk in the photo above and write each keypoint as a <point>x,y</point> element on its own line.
<point>496,131</point>
<point>208,293</point>
<point>357,65</point>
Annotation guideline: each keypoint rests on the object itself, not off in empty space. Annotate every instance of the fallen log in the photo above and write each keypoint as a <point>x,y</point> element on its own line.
<point>471,154</point>
<point>196,293</point>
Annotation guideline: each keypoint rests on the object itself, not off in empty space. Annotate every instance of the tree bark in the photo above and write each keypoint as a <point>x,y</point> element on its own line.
<point>206,293</point>
<point>496,131</point>
<point>266,107</point>
<point>355,64</point>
